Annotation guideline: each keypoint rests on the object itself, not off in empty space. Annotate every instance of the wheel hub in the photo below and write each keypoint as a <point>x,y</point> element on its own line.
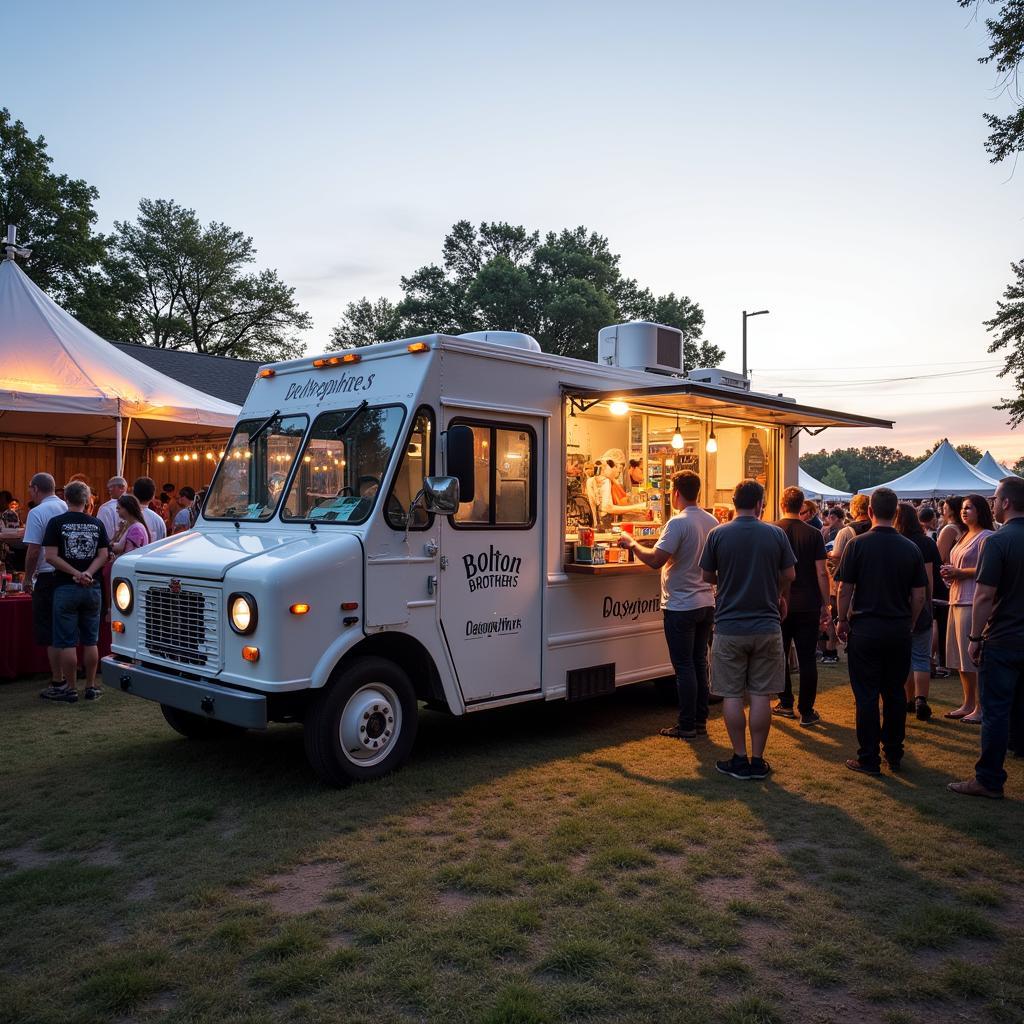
<point>370,722</point>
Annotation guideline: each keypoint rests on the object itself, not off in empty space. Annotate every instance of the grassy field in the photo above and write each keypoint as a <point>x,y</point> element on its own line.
<point>532,865</point>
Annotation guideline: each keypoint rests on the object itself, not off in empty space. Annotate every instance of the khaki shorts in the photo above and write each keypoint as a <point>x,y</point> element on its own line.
<point>747,664</point>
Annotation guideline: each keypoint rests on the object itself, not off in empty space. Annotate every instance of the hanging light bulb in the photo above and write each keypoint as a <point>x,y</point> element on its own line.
<point>712,445</point>
<point>619,408</point>
<point>677,438</point>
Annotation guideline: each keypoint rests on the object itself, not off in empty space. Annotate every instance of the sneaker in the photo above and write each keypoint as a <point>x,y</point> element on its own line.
<point>855,766</point>
<point>52,690</point>
<point>674,732</point>
<point>830,659</point>
<point>702,728</point>
<point>922,710</point>
<point>811,718</point>
<point>759,768</point>
<point>736,767</point>
<point>61,694</point>
<point>782,711</point>
<point>93,693</point>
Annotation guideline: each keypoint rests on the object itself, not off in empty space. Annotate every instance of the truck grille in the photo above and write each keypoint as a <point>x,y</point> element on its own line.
<point>180,624</point>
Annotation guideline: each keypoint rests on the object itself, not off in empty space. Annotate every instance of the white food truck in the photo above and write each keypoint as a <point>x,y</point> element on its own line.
<point>400,524</point>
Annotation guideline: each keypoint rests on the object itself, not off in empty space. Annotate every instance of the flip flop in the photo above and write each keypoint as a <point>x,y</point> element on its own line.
<point>967,720</point>
<point>955,716</point>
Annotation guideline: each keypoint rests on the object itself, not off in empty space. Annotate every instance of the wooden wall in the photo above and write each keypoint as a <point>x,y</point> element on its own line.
<point>19,460</point>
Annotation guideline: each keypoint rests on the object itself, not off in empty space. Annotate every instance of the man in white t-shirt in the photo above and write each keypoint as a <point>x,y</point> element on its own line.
<point>107,512</point>
<point>687,602</point>
<point>39,574</point>
<point>144,489</point>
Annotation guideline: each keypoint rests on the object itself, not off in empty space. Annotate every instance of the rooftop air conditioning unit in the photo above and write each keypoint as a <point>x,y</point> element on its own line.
<point>719,378</point>
<point>640,345</point>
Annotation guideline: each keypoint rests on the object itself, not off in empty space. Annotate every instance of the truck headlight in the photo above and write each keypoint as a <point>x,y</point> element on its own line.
<point>124,597</point>
<point>242,613</point>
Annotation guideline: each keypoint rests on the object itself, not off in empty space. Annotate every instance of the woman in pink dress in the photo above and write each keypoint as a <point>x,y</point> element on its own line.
<point>959,574</point>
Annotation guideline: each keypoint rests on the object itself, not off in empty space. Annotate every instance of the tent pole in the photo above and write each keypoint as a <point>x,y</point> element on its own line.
<point>118,459</point>
<point>124,447</point>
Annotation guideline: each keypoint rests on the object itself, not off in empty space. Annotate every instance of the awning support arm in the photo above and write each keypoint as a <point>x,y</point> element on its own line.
<point>794,432</point>
<point>579,405</point>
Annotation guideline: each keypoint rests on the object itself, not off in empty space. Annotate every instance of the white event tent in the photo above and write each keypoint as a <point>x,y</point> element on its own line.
<point>990,468</point>
<point>818,491</point>
<point>943,473</point>
<point>59,380</point>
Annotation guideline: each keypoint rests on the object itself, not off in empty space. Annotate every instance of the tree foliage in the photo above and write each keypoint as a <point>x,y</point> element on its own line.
<point>171,282</point>
<point>561,288</point>
<point>1005,52</point>
<point>835,478</point>
<point>54,214</point>
<point>1007,329</point>
<point>862,467</point>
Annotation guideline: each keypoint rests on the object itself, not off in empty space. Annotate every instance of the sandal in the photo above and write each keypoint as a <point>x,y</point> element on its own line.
<point>968,720</point>
<point>956,717</point>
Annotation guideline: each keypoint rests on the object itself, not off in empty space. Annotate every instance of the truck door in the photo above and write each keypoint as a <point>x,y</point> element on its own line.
<point>491,586</point>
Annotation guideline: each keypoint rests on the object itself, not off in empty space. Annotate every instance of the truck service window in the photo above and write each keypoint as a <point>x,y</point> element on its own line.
<point>417,462</point>
<point>338,475</point>
<point>251,477</point>
<point>505,492</point>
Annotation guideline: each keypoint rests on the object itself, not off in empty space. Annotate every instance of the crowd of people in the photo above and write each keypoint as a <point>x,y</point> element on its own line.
<point>911,592</point>
<point>66,550</point>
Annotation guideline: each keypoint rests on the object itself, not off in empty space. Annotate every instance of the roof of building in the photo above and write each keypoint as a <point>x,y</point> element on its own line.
<point>222,377</point>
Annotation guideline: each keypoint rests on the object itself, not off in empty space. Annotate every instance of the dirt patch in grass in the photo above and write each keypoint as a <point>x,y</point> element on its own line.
<point>302,890</point>
<point>143,890</point>
<point>454,902</point>
<point>721,890</point>
<point>29,856</point>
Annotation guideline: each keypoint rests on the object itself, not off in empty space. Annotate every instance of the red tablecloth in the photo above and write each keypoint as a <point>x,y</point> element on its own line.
<point>19,655</point>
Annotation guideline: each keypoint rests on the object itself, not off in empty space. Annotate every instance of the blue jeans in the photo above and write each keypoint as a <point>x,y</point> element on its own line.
<point>1000,678</point>
<point>687,635</point>
<point>76,615</point>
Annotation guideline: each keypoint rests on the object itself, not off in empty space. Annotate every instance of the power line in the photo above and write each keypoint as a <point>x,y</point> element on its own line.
<point>833,381</point>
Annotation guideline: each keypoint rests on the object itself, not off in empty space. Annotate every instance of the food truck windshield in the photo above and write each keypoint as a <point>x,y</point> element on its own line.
<point>333,478</point>
<point>620,460</point>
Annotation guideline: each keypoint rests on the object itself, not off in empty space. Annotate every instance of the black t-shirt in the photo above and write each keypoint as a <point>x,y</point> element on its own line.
<point>809,547</point>
<point>930,553</point>
<point>1002,567</point>
<point>884,568</point>
<point>77,538</point>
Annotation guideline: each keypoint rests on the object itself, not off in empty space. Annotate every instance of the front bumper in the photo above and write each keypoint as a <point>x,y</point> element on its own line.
<point>200,697</point>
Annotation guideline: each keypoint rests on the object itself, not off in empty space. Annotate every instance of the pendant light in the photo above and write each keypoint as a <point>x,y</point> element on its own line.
<point>677,438</point>
<point>712,445</point>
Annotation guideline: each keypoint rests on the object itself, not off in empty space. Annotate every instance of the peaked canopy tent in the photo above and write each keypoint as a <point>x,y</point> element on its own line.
<point>60,382</point>
<point>818,491</point>
<point>990,468</point>
<point>943,473</point>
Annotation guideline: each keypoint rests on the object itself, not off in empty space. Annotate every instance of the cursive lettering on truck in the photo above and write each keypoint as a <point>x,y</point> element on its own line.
<point>632,610</point>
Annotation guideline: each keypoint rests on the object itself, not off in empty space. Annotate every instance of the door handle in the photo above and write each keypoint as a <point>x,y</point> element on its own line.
<point>431,585</point>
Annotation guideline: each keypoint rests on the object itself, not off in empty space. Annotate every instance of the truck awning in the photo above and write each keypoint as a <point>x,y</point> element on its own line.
<point>692,396</point>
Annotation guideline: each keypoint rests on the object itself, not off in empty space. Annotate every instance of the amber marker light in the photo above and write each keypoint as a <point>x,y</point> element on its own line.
<point>349,606</point>
<point>117,627</point>
<point>418,346</point>
<point>351,357</point>
<point>267,373</point>
<point>251,653</point>
<point>327,361</point>
<point>301,608</point>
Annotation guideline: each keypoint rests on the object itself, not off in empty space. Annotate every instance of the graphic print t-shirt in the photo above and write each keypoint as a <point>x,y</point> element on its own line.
<point>77,538</point>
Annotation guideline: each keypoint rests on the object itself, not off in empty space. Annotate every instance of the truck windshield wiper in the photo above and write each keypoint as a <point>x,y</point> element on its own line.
<point>351,418</point>
<point>255,435</point>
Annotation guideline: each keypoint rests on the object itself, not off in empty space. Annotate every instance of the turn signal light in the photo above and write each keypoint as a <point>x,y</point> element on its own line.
<point>251,653</point>
<point>117,627</point>
<point>299,609</point>
<point>349,606</point>
<point>267,373</point>
<point>418,346</point>
<point>351,357</point>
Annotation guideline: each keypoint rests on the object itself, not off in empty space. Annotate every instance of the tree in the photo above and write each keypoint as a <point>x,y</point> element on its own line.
<point>835,478</point>
<point>561,288</point>
<point>1007,328</point>
<point>1018,466</point>
<point>172,283</point>
<point>53,212</point>
<point>1006,50</point>
<point>862,467</point>
<point>969,452</point>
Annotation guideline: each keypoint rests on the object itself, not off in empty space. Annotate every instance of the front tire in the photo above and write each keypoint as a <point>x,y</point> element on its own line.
<point>362,725</point>
<point>198,727</point>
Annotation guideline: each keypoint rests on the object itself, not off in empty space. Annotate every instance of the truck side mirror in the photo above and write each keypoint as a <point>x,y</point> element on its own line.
<point>441,495</point>
<point>459,460</point>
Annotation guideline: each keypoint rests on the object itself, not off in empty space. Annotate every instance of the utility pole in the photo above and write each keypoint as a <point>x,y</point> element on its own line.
<point>746,315</point>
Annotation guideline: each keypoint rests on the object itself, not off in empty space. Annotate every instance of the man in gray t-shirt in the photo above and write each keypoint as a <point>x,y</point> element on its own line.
<point>752,565</point>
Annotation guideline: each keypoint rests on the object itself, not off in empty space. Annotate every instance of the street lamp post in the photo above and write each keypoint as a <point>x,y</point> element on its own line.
<point>760,312</point>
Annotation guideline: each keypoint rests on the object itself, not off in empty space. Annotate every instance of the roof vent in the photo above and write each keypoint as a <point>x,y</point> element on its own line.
<point>640,345</point>
<point>719,378</point>
<point>511,339</point>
